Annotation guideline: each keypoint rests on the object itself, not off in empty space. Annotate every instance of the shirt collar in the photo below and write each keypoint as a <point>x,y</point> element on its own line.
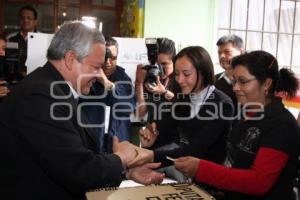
<point>227,79</point>
<point>199,99</point>
<point>75,94</point>
<point>202,95</point>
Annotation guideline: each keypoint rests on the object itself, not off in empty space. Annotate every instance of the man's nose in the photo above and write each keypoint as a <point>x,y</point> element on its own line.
<point>222,55</point>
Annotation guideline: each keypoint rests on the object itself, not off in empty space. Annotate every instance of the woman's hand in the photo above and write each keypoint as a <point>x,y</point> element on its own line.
<point>148,135</point>
<point>187,165</point>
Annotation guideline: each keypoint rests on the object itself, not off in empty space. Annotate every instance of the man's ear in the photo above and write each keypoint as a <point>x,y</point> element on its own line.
<point>70,57</point>
<point>35,23</point>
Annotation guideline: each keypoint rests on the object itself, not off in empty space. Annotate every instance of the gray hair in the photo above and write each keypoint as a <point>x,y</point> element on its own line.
<point>235,40</point>
<point>75,36</point>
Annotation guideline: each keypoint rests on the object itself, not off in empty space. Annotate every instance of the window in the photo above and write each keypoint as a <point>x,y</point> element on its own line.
<point>270,25</point>
<point>53,13</point>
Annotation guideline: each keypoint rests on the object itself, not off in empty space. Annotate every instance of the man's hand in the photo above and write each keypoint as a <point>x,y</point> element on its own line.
<point>142,156</point>
<point>140,74</point>
<point>125,150</point>
<point>187,165</point>
<point>102,78</point>
<point>145,174</point>
<point>130,154</point>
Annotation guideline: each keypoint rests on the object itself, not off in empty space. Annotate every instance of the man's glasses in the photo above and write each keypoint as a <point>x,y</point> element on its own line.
<point>112,58</point>
<point>241,82</point>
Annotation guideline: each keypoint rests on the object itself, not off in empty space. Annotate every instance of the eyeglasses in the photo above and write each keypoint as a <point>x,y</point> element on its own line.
<point>241,82</point>
<point>112,58</point>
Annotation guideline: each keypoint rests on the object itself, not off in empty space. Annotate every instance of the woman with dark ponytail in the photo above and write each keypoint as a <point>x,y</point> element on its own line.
<point>263,146</point>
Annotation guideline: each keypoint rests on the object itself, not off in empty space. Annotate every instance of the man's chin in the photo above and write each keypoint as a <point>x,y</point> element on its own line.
<point>226,67</point>
<point>107,73</point>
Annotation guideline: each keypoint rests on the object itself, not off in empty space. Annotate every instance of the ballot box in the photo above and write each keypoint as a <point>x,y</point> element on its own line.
<point>169,191</point>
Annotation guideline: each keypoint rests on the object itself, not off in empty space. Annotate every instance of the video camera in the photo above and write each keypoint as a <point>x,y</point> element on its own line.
<point>9,65</point>
<point>154,69</point>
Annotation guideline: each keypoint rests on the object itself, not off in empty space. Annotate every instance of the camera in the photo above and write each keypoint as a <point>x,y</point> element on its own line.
<point>9,65</point>
<point>154,69</point>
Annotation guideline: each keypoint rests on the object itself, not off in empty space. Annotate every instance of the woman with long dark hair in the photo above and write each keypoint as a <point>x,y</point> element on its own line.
<point>200,114</point>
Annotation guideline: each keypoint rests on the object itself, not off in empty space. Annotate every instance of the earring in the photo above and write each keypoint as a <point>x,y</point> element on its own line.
<point>266,92</point>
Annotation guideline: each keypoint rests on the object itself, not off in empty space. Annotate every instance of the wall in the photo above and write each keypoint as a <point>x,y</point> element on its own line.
<point>187,22</point>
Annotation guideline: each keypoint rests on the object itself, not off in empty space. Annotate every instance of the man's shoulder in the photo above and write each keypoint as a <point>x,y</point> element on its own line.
<point>42,77</point>
<point>120,70</point>
<point>121,74</point>
<point>219,75</point>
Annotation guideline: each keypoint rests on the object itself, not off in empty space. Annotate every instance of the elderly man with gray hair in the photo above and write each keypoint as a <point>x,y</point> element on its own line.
<point>46,151</point>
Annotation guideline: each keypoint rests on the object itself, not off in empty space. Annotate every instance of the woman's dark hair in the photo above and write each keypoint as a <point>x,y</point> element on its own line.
<point>263,65</point>
<point>202,62</point>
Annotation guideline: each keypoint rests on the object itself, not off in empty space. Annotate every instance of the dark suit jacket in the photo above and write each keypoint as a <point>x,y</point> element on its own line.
<point>47,158</point>
<point>223,85</point>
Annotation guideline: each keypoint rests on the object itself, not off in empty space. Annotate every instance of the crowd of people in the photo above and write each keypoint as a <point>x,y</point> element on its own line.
<point>230,132</point>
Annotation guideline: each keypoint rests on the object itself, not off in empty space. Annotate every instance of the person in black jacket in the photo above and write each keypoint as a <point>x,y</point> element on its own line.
<point>229,46</point>
<point>200,115</point>
<point>3,84</point>
<point>46,151</point>
<point>264,144</point>
<point>28,17</point>
<point>149,97</point>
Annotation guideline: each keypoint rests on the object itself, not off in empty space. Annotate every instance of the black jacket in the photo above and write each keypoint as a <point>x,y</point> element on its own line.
<point>47,158</point>
<point>276,130</point>
<point>206,136</point>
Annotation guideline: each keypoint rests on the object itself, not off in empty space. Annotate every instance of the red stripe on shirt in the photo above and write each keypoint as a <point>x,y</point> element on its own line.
<point>257,180</point>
